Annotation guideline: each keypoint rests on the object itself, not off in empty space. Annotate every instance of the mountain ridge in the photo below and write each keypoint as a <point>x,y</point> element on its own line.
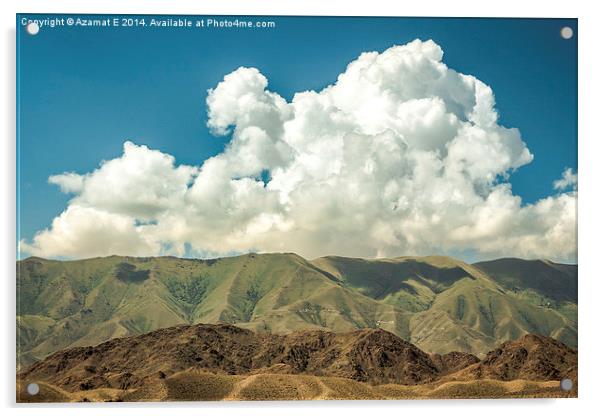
<point>83,302</point>
<point>139,366</point>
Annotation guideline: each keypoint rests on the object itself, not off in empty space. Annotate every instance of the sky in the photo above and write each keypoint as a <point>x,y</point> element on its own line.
<point>138,97</point>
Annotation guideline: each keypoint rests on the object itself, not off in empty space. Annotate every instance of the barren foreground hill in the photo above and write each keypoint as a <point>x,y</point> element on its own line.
<point>221,362</point>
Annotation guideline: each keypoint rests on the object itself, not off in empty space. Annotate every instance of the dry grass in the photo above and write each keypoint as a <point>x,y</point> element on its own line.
<point>345,389</point>
<point>476,389</point>
<point>202,386</point>
<point>47,394</point>
<point>195,385</point>
<point>279,387</point>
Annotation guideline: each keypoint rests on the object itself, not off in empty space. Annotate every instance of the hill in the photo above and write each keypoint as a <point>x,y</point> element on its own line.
<point>410,283</point>
<point>471,309</point>
<point>369,355</point>
<point>218,362</point>
<point>532,357</point>
<point>542,282</point>
<point>437,303</point>
<point>203,386</point>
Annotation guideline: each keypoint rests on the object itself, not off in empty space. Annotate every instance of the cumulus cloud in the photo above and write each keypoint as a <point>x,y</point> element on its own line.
<point>142,183</point>
<point>568,180</point>
<point>69,182</point>
<point>401,155</point>
<point>87,232</point>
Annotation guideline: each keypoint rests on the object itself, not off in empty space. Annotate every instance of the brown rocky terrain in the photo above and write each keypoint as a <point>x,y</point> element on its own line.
<point>453,361</point>
<point>532,357</point>
<point>369,355</point>
<point>220,362</point>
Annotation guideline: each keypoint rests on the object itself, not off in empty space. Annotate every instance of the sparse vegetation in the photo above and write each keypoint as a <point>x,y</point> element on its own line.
<point>190,290</point>
<point>439,303</point>
<point>128,273</point>
<point>224,362</point>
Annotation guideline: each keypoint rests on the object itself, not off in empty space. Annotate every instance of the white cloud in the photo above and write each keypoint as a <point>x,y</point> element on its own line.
<point>69,182</point>
<point>402,155</point>
<point>88,232</point>
<point>568,180</point>
<point>142,183</point>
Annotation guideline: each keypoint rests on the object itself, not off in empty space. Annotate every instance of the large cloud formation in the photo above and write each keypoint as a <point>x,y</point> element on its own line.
<point>402,155</point>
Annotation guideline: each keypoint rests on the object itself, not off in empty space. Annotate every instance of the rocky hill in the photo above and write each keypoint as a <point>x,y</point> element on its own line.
<point>532,357</point>
<point>368,355</point>
<point>140,365</point>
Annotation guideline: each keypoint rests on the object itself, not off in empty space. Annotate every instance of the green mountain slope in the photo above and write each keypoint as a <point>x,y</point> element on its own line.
<point>556,281</point>
<point>468,307</point>
<point>74,303</point>
<point>540,281</point>
<point>411,283</point>
<point>438,303</point>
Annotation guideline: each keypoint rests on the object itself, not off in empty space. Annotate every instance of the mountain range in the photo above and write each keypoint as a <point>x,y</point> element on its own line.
<point>439,304</point>
<point>225,362</point>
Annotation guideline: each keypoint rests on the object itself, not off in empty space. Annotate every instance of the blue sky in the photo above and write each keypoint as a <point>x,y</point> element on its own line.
<point>83,91</point>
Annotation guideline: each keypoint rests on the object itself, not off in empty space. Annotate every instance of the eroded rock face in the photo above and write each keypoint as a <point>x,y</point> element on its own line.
<point>369,355</point>
<point>532,357</point>
<point>453,361</point>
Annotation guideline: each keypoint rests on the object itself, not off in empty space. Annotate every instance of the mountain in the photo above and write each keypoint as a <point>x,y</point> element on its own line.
<point>452,361</point>
<point>211,362</point>
<point>460,307</point>
<point>540,281</point>
<point>410,283</point>
<point>76,303</point>
<point>437,303</point>
<point>369,355</point>
<point>532,357</point>
<point>553,280</point>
